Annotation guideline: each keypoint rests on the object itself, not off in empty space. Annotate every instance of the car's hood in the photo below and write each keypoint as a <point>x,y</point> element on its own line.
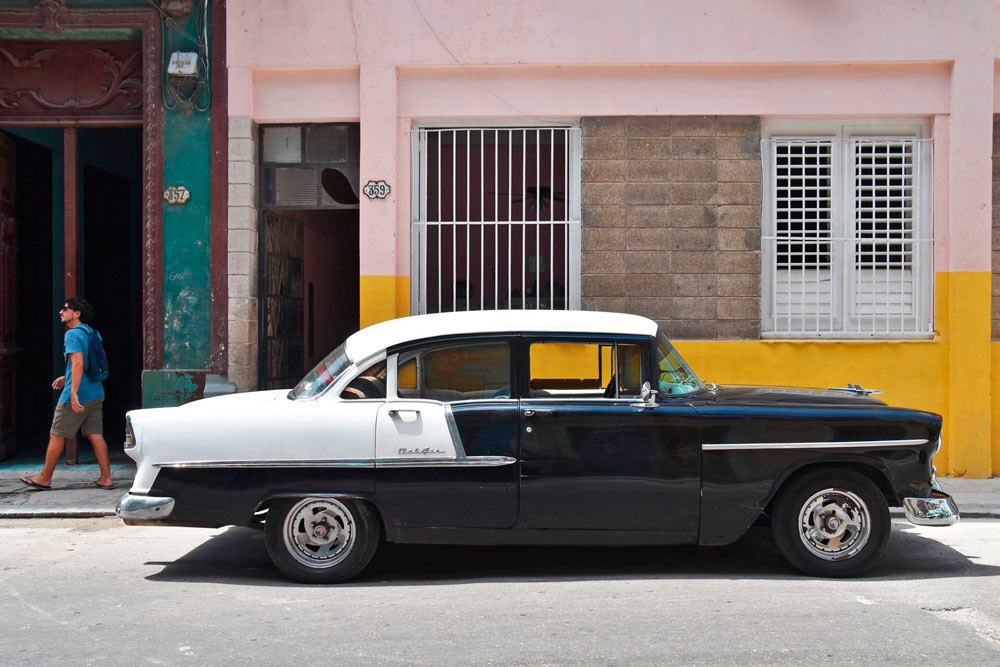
<point>247,398</point>
<point>754,395</point>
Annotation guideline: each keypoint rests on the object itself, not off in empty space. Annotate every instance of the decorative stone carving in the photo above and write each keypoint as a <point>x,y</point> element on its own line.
<point>108,78</point>
<point>32,60</point>
<point>53,11</point>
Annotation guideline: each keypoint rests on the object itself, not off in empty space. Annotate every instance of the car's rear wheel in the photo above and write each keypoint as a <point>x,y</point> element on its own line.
<point>831,523</point>
<point>321,540</point>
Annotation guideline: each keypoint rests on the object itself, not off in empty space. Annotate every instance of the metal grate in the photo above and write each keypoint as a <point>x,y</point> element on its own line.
<point>847,238</point>
<point>497,220</point>
<point>295,187</point>
<point>803,210</point>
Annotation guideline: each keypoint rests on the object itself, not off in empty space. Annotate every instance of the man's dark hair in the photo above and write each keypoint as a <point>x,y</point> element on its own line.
<point>82,305</point>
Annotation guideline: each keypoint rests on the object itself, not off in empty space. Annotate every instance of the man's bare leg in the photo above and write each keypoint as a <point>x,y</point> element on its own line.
<point>52,454</point>
<point>101,452</point>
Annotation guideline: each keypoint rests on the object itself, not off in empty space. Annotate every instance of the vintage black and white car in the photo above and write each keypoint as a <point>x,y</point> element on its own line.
<point>514,427</point>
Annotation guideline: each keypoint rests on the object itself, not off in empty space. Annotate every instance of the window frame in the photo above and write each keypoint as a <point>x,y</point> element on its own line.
<point>392,356</point>
<point>524,388</point>
<point>418,202</point>
<point>845,319</point>
<point>362,368</point>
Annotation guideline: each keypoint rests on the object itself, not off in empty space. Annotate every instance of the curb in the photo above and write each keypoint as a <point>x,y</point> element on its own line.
<point>56,513</point>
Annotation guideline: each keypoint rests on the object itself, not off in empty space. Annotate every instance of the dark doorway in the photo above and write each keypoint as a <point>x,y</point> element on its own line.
<point>110,262</point>
<point>309,290</point>
<point>37,322</point>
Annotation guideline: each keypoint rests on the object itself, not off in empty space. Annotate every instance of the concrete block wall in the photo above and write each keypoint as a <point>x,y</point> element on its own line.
<point>995,284</point>
<point>672,222</point>
<point>243,275</point>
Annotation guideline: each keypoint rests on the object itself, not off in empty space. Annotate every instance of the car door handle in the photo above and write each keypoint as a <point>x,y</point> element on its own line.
<point>540,413</point>
<point>393,413</point>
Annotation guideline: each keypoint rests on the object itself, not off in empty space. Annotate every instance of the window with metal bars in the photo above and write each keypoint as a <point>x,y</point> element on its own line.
<point>496,219</point>
<point>848,243</point>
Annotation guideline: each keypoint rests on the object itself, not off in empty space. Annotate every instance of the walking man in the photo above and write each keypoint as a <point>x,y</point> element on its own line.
<point>80,405</point>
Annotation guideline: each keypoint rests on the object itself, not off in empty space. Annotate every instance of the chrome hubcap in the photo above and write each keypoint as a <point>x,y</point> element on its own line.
<point>834,524</point>
<point>319,532</point>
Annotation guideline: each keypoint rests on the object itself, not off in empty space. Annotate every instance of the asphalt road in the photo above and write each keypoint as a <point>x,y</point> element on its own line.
<point>92,591</point>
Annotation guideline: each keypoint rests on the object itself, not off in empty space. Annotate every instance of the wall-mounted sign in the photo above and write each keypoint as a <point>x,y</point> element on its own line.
<point>176,194</point>
<point>376,189</point>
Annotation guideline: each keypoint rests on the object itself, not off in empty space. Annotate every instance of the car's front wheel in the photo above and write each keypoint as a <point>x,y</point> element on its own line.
<point>831,523</point>
<point>321,540</point>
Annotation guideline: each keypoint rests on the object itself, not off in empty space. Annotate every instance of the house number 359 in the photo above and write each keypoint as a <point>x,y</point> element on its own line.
<point>376,189</point>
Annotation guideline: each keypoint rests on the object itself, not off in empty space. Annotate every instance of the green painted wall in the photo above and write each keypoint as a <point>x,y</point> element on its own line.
<point>187,142</point>
<point>187,161</point>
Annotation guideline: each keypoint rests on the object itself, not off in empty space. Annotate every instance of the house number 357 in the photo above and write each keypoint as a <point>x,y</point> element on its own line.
<point>376,189</point>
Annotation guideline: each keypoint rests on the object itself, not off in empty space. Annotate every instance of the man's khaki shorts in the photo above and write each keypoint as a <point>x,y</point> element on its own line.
<point>66,423</point>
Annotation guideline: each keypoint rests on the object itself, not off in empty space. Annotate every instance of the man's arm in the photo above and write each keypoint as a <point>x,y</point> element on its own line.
<point>76,359</point>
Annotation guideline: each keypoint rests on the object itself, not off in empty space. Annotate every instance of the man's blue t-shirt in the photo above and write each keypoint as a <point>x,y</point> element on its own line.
<point>75,340</point>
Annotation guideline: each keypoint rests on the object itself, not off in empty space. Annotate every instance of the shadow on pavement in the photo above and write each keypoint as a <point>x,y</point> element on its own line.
<point>238,556</point>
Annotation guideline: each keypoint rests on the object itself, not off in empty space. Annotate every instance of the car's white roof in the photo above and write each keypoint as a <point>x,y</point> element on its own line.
<point>383,335</point>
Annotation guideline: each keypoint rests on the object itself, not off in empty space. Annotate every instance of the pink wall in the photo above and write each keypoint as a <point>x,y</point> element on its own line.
<point>391,63</point>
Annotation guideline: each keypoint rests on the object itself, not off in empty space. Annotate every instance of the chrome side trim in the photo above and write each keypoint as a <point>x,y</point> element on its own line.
<point>847,444</point>
<point>290,463</point>
<point>464,461</point>
<point>470,461</point>
<point>938,510</point>
<point>144,507</point>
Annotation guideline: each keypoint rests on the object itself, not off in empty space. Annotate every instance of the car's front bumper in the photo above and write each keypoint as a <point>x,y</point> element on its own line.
<point>940,509</point>
<point>133,508</point>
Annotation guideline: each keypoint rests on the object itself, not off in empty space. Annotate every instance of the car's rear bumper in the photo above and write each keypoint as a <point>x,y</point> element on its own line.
<point>940,509</point>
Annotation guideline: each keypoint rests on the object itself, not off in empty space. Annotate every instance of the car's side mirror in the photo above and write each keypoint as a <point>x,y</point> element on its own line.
<point>648,397</point>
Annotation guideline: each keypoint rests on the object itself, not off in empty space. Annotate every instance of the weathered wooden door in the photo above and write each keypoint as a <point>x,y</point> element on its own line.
<point>8,297</point>
<point>281,289</point>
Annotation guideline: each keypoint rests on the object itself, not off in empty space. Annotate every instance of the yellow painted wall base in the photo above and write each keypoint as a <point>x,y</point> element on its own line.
<point>995,403</point>
<point>383,298</point>
<point>947,375</point>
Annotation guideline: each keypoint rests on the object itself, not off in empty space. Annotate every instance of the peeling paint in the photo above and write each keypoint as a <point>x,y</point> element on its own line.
<point>167,388</point>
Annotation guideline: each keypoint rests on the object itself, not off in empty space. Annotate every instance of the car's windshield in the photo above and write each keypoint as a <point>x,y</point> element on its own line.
<point>322,376</point>
<point>676,377</point>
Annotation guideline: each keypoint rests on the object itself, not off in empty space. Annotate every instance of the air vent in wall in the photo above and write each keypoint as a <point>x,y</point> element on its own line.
<point>311,165</point>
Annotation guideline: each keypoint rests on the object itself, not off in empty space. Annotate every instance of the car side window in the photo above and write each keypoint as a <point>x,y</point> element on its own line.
<point>370,383</point>
<point>571,369</point>
<point>455,372</point>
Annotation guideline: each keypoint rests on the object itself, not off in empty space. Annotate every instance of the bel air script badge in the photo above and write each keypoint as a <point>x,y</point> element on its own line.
<point>425,450</point>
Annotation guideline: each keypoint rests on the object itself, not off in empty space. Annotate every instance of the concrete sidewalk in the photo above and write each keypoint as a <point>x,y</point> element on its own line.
<point>69,496</point>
